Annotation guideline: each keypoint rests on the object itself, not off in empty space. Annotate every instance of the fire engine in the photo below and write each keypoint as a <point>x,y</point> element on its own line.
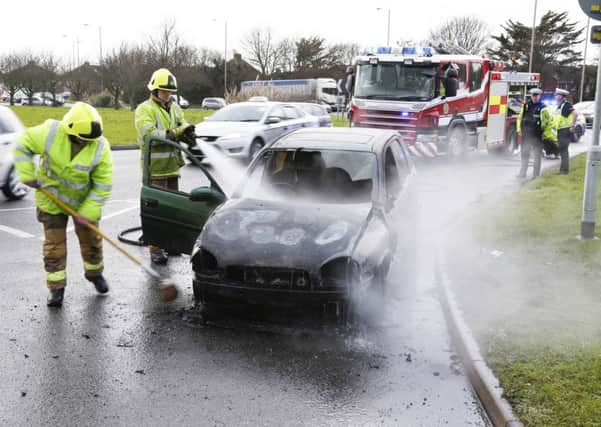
<point>411,90</point>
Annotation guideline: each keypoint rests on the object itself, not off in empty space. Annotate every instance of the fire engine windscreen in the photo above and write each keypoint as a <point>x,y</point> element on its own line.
<point>396,81</point>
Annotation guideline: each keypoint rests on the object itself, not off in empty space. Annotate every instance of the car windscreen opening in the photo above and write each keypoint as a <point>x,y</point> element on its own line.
<point>314,175</point>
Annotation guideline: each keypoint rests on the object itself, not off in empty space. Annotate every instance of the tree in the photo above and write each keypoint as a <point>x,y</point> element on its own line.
<point>262,51</point>
<point>342,54</point>
<point>555,43</point>
<point>9,66</point>
<point>467,32</point>
<point>51,79</point>
<point>311,52</point>
<point>286,55</point>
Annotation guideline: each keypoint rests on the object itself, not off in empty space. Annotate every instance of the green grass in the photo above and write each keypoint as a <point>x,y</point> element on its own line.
<point>118,124</point>
<point>547,352</point>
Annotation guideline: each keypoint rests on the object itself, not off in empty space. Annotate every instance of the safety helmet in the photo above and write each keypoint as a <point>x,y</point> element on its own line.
<point>162,79</point>
<point>561,92</point>
<point>535,91</point>
<point>83,121</point>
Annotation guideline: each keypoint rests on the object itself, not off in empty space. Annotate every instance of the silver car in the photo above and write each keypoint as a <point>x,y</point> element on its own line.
<point>240,130</point>
<point>10,128</point>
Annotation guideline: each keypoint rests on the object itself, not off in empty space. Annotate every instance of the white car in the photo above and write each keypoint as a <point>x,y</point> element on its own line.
<point>10,128</point>
<point>213,103</point>
<point>183,102</point>
<point>240,130</point>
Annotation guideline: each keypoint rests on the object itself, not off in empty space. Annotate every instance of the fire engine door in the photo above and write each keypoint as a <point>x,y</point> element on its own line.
<point>497,112</point>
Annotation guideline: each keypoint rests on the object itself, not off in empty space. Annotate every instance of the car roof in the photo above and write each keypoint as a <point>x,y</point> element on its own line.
<point>356,139</point>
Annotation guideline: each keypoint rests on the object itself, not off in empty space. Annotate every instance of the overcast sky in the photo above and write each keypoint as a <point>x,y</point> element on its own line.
<point>57,25</point>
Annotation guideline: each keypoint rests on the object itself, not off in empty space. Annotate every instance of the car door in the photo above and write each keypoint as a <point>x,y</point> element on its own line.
<point>274,130</point>
<point>297,118</point>
<point>171,219</point>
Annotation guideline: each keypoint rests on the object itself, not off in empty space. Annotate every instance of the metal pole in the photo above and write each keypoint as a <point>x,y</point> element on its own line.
<point>588,23</point>
<point>78,50</point>
<point>225,63</point>
<point>388,36</point>
<point>591,178</point>
<point>532,38</point>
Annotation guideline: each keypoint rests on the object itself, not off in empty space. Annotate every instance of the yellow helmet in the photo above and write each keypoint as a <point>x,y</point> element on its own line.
<point>83,121</point>
<point>162,79</point>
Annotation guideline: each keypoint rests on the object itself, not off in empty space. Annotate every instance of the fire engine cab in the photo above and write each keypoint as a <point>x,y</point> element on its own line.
<point>442,103</point>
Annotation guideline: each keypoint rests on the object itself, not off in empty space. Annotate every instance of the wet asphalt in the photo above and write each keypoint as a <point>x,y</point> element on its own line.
<point>128,358</point>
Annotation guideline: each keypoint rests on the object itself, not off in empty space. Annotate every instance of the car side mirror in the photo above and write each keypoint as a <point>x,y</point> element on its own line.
<point>272,120</point>
<point>207,194</point>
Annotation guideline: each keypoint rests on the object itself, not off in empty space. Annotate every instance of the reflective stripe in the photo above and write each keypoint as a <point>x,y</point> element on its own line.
<point>160,155</point>
<point>159,122</point>
<point>88,266</point>
<point>66,182</point>
<point>64,198</point>
<point>82,168</point>
<point>49,141</point>
<point>105,187</point>
<point>97,198</point>
<point>101,142</point>
<point>146,128</point>
<point>56,276</point>
<point>24,150</point>
<point>22,159</point>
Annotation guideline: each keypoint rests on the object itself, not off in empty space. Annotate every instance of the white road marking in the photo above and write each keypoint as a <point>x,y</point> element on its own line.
<point>33,207</point>
<point>15,232</point>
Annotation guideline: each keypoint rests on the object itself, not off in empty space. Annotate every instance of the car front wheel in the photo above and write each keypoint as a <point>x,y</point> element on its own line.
<point>14,189</point>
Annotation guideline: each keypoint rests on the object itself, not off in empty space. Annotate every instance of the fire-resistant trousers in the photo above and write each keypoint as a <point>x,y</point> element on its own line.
<point>171,183</point>
<point>534,144</point>
<point>55,249</point>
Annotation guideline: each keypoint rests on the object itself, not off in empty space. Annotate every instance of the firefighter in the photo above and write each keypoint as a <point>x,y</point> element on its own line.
<point>534,124</point>
<point>76,166</point>
<point>565,117</point>
<point>161,117</point>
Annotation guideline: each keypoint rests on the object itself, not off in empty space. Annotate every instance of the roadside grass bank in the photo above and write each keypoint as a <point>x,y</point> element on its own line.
<point>531,292</point>
<point>118,124</point>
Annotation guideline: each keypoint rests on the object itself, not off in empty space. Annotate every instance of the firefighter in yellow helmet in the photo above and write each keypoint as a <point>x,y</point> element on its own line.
<point>159,116</point>
<point>76,166</point>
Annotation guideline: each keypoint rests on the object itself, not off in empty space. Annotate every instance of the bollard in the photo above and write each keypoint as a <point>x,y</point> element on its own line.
<point>591,187</point>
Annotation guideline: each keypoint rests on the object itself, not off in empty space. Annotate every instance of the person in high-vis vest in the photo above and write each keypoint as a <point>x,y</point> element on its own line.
<point>565,123</point>
<point>76,166</point>
<point>160,117</point>
<point>534,124</point>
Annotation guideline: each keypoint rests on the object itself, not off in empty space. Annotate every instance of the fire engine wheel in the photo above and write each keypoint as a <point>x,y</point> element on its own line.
<point>456,145</point>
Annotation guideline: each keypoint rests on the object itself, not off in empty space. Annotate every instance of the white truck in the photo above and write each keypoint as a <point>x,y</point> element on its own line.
<point>320,91</point>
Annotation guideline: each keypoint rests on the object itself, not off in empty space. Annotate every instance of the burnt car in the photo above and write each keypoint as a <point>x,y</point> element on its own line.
<point>317,220</point>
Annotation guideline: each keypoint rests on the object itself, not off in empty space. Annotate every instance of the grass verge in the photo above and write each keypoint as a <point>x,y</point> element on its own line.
<point>532,298</point>
<point>118,124</point>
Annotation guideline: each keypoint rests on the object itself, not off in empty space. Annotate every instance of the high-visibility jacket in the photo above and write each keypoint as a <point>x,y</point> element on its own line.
<point>152,119</point>
<point>563,116</point>
<point>540,120</point>
<point>84,182</point>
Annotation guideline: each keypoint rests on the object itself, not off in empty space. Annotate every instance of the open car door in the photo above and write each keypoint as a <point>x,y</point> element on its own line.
<point>172,220</point>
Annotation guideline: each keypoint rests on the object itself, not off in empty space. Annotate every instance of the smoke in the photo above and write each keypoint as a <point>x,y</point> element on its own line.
<point>227,171</point>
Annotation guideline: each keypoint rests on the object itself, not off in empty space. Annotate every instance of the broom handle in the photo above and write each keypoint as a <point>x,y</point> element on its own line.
<point>91,226</point>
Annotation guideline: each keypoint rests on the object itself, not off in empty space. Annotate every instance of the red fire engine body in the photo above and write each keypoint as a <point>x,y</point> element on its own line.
<point>404,89</point>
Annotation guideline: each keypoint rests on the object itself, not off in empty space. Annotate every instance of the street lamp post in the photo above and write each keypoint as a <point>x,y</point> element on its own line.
<point>388,26</point>
<point>224,57</point>
<point>588,24</point>
<point>532,38</point>
<point>99,42</point>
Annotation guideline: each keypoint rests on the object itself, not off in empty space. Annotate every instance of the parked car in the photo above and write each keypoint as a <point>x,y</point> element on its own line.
<point>36,100</point>
<point>183,102</point>
<point>317,220</point>
<point>10,128</point>
<point>240,130</point>
<point>317,110</point>
<point>587,110</point>
<point>213,103</point>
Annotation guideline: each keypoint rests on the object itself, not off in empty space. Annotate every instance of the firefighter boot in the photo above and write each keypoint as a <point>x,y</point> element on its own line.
<point>100,284</point>
<point>55,298</point>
